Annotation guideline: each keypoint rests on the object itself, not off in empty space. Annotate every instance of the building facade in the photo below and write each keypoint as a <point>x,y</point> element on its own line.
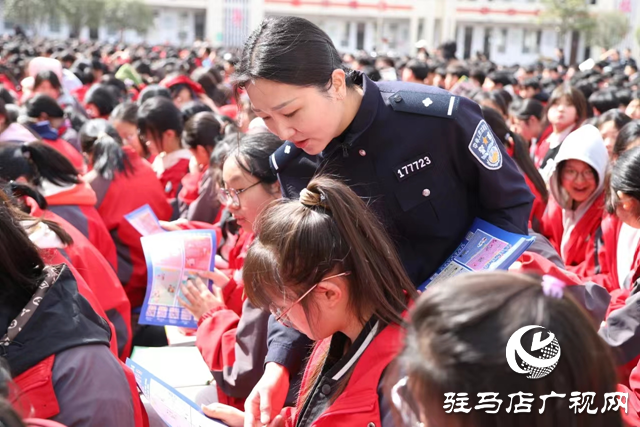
<point>506,31</point>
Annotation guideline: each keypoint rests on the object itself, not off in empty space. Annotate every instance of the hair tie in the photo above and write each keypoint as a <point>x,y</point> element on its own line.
<point>552,286</point>
<point>311,199</point>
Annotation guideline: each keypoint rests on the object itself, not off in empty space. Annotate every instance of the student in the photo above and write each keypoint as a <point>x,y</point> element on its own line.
<point>603,101</point>
<point>182,89</point>
<point>124,119</point>
<point>526,120</point>
<point>493,100</point>
<point>197,199</point>
<point>633,109</point>
<point>44,117</point>
<point>517,149</point>
<point>100,101</point>
<point>46,82</point>
<point>345,288</point>
<point>415,72</point>
<point>160,124</point>
<point>456,344</point>
<point>58,352</point>
<point>11,131</point>
<point>628,138</point>
<point>123,182</point>
<point>233,342</point>
<point>573,216</point>
<point>497,80</point>
<point>530,89</point>
<point>609,125</point>
<point>566,110</point>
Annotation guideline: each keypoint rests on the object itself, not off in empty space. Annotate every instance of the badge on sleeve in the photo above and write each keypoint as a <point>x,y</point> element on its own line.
<point>485,148</point>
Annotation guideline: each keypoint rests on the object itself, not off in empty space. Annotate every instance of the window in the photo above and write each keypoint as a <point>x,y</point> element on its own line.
<point>486,47</point>
<point>531,41</point>
<point>344,41</point>
<point>111,30</point>
<point>501,41</point>
<point>468,37</point>
<point>360,36</point>
<point>54,24</point>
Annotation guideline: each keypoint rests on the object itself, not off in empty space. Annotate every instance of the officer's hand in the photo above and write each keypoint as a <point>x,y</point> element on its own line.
<point>267,397</point>
<point>227,414</point>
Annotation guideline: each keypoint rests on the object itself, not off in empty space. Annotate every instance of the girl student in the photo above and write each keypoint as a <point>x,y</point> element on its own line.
<point>160,124</point>
<point>574,214</point>
<point>122,182</point>
<point>197,199</point>
<point>341,283</point>
<point>66,194</point>
<point>525,116</point>
<point>566,110</point>
<point>124,119</point>
<point>456,344</point>
<point>232,332</point>
<point>609,125</point>
<point>44,118</point>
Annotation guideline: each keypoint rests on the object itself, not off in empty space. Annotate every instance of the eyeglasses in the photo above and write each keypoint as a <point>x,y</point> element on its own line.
<point>572,174</point>
<point>281,316</point>
<point>405,405</point>
<point>224,195</point>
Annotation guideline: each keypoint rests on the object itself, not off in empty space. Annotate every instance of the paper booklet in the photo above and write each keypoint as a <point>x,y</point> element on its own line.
<point>145,221</point>
<point>174,408</point>
<point>485,247</point>
<point>172,258</point>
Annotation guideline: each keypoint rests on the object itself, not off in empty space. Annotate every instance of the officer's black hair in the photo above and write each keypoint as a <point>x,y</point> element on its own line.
<point>203,129</point>
<point>47,76</point>
<point>102,143</point>
<point>43,104</point>
<point>153,91</point>
<point>36,161</point>
<point>191,108</point>
<point>604,100</point>
<point>104,97</point>
<point>289,50</point>
<point>158,115</point>
<point>419,69</point>
<point>456,343</point>
<point>520,152</point>
<point>628,137</point>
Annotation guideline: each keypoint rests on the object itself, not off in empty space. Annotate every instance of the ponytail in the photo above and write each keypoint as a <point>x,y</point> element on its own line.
<point>36,161</point>
<point>100,140</point>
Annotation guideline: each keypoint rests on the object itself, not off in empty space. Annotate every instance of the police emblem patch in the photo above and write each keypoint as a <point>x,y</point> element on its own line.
<point>485,148</point>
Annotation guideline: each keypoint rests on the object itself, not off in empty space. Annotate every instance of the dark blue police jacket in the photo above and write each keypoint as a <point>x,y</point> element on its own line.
<point>427,163</point>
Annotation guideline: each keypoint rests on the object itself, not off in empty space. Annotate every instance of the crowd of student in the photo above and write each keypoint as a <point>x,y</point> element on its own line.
<point>90,132</point>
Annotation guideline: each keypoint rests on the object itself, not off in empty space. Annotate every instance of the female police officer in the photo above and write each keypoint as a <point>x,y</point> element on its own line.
<point>425,160</point>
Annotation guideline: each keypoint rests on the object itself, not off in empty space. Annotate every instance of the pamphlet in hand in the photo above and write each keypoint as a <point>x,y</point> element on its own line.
<point>485,247</point>
<point>173,258</point>
<point>174,409</point>
<point>145,221</point>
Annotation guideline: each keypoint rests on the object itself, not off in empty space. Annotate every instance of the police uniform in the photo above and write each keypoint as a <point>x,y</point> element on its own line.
<point>426,162</point>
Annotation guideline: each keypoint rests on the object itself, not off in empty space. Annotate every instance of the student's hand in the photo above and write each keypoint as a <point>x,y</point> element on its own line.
<point>219,278</point>
<point>227,414</point>
<point>267,397</point>
<point>278,421</point>
<point>173,225</point>
<point>199,299</point>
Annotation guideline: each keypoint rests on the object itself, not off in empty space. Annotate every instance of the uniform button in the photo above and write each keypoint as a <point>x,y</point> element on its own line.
<point>326,389</point>
<point>362,153</point>
<point>426,192</point>
<point>397,98</point>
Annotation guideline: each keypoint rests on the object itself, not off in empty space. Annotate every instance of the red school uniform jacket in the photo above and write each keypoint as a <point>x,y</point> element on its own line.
<point>580,253</point>
<point>118,197</point>
<point>542,147</point>
<point>171,176</point>
<point>97,274</point>
<point>68,151</point>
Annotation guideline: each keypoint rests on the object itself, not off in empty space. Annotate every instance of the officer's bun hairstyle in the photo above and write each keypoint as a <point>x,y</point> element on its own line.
<point>102,142</point>
<point>628,137</point>
<point>158,115</point>
<point>36,162</point>
<point>572,96</point>
<point>328,231</point>
<point>456,344</point>
<point>289,50</point>
<point>202,129</point>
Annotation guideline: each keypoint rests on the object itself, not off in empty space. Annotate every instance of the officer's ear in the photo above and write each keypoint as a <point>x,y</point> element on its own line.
<point>338,89</point>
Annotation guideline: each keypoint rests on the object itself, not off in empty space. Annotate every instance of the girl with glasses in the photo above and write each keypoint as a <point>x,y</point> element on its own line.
<point>574,213</point>
<point>340,282</point>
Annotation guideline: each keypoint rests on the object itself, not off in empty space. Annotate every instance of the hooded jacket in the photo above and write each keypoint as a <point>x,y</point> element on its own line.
<point>574,232</point>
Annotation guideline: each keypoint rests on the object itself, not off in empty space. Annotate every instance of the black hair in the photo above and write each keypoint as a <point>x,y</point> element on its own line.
<point>629,136</point>
<point>203,129</point>
<point>604,100</point>
<point>43,104</point>
<point>6,96</point>
<point>289,50</point>
<point>623,96</point>
<point>524,109</point>
<point>103,96</point>
<point>252,155</point>
<point>448,49</point>
<point>532,83</point>
<point>37,162</point>
<point>619,118</point>
<point>192,108</point>
<point>503,78</point>
<point>493,96</point>
<point>208,79</point>
<point>125,112</point>
<point>100,140</point>
<point>457,70</point>
<point>479,74</point>
<point>625,177</point>
<point>158,115</point>
<point>153,91</point>
<point>419,69</point>
<point>118,86</point>
<point>47,76</point>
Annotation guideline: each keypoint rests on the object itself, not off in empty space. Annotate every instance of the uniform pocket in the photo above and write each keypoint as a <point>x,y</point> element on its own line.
<point>422,189</point>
